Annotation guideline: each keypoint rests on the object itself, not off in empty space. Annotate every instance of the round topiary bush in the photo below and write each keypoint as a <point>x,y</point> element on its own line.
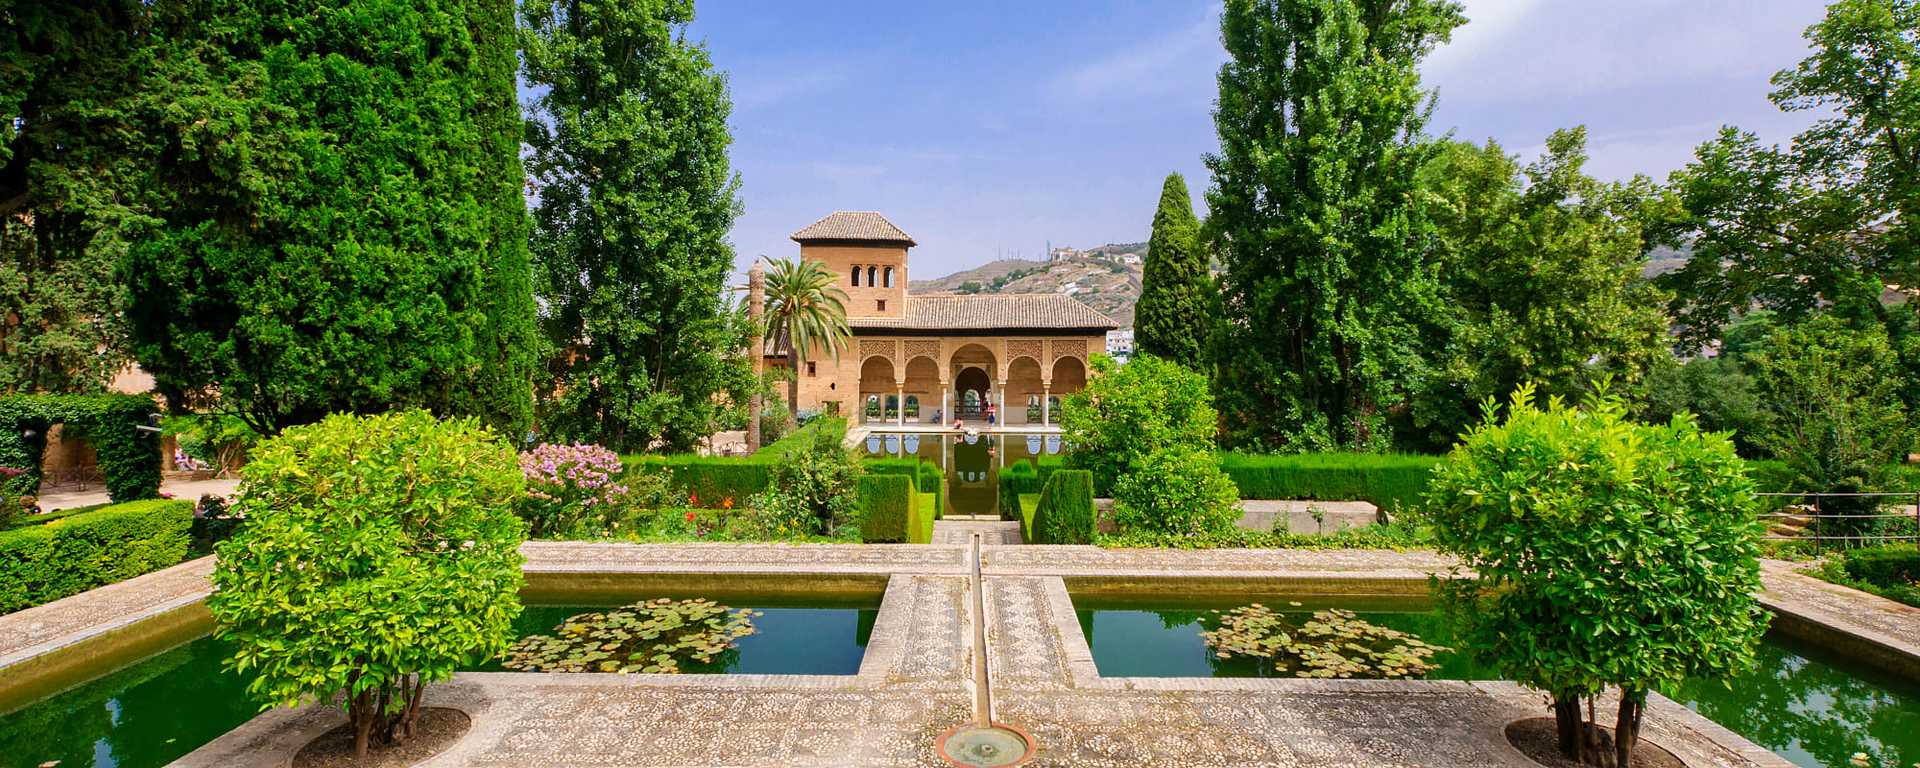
<point>1607,553</point>
<point>380,554</point>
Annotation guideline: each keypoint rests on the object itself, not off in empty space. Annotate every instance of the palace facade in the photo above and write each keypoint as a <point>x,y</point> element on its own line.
<point>929,359</point>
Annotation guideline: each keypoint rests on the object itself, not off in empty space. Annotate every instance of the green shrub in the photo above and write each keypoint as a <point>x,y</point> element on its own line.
<point>1128,412</point>
<point>1065,514</point>
<point>1029,503</point>
<point>1606,554</point>
<point>1015,480</point>
<point>885,508</point>
<point>380,553</point>
<point>729,481</point>
<point>129,457</point>
<point>1890,571</point>
<point>74,553</point>
<point>1395,536</point>
<point>1176,492</point>
<point>1392,482</point>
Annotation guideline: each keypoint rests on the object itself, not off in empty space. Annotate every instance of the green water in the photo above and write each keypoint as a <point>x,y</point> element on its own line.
<point>1802,703</point>
<point>786,640</point>
<point>972,464</point>
<point>154,711</point>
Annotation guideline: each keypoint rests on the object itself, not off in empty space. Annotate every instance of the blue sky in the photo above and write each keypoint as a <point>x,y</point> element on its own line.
<point>990,128</point>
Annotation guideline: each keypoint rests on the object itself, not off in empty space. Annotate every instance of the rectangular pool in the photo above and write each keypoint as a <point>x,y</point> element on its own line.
<point>1804,704</point>
<point>156,710</point>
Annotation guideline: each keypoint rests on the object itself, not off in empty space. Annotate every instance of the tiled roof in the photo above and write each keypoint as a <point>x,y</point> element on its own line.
<point>992,312</point>
<point>854,225</point>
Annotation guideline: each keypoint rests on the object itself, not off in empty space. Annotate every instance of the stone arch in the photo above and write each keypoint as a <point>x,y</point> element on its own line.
<point>975,369</point>
<point>1025,388</point>
<point>1069,374</point>
<point>877,386</point>
<point>922,385</point>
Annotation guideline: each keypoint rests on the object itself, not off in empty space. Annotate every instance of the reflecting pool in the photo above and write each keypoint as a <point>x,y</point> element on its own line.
<point>154,711</point>
<point>972,462</point>
<point>1805,704</point>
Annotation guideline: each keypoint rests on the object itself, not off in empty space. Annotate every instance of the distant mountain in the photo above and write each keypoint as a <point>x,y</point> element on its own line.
<point>1101,277</point>
<point>1107,278</point>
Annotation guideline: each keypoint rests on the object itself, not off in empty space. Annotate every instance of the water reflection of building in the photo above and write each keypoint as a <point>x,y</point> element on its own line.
<point>915,357</point>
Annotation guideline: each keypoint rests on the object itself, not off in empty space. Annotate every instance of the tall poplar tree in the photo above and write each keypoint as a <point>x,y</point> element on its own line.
<point>1175,313</point>
<point>629,158</point>
<point>1317,215</point>
<point>341,220</point>
<point>71,180</point>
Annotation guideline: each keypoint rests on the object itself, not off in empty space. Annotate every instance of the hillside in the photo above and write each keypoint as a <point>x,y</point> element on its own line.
<point>1099,277</point>
<point>1094,276</point>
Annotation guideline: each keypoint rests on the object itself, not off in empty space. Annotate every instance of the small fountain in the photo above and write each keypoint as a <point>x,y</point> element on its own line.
<point>983,743</point>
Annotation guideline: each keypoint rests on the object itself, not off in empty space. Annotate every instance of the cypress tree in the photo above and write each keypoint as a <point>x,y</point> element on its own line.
<point>1316,212</point>
<point>629,154</point>
<point>1175,312</point>
<point>341,227</point>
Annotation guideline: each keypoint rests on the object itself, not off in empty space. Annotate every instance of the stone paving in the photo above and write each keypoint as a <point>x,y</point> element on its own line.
<point>915,680</point>
<point>960,531</point>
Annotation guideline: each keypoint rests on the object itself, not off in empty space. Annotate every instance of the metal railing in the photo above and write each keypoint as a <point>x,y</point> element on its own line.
<point>1813,515</point>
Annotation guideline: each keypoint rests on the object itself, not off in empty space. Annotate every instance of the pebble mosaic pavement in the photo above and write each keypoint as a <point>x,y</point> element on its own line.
<point>915,680</point>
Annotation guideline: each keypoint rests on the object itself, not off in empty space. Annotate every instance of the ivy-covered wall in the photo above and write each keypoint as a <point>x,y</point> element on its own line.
<point>129,457</point>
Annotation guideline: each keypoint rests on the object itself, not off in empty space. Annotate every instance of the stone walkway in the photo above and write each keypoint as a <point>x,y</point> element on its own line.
<point>1874,629</point>
<point>915,680</point>
<point>960,530</point>
<point>179,489</point>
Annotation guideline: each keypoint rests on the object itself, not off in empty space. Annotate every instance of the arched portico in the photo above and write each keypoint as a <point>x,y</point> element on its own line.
<point>975,373</point>
<point>1025,389</point>
<point>879,391</point>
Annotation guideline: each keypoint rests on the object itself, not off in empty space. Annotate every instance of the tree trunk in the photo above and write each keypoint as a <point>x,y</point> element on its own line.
<point>793,386</point>
<point>1626,728</point>
<point>1566,719</point>
<point>361,715</point>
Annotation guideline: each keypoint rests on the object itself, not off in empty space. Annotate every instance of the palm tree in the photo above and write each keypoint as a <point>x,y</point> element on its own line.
<point>806,313</point>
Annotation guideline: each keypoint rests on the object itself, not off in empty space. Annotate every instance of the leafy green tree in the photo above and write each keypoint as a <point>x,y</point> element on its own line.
<point>806,315</point>
<point>1316,212</point>
<point>1542,276</point>
<point>341,220</point>
<point>1145,432</point>
<point>72,181</point>
<point>628,153</point>
<point>1826,225</point>
<point>380,554</point>
<point>1831,408</point>
<point>1607,553</point>
<point>1175,313</point>
<point>1716,390</point>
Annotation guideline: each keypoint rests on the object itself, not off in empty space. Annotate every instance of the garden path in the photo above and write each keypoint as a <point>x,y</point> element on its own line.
<point>914,681</point>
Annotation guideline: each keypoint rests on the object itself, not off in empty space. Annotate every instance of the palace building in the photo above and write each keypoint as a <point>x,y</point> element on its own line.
<point>921,359</point>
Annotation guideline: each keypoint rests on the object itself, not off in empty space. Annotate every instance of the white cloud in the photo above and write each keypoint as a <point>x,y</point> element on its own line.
<point>1172,60</point>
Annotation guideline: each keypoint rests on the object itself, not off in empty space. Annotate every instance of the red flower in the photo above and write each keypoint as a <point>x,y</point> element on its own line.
<point>694,498</point>
<point>726,503</point>
<point>689,517</point>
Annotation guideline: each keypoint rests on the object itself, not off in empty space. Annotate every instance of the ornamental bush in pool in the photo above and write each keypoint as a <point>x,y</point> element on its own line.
<point>568,484</point>
<point>381,553</point>
<point>1608,554</point>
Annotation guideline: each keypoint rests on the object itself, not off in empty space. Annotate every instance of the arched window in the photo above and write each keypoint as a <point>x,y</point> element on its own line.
<point>913,406</point>
<point>889,278</point>
<point>856,276</point>
<point>870,276</point>
<point>873,406</point>
<point>893,407</point>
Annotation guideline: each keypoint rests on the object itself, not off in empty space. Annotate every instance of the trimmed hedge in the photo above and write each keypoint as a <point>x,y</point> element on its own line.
<point>1065,513</point>
<point>886,508</point>
<point>927,478</point>
<point>129,457</point>
<point>921,523</point>
<point>1028,504</point>
<point>1390,481</point>
<point>715,479</point>
<point>1016,479</point>
<point>43,563</point>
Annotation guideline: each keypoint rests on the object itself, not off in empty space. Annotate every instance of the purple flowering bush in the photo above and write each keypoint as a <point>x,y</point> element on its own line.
<point>570,487</point>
